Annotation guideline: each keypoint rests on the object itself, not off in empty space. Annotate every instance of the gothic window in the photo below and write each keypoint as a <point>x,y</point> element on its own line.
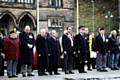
<point>55,22</point>
<point>55,3</point>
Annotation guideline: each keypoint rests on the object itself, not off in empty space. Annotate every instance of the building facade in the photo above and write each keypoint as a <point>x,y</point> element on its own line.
<point>56,14</point>
<point>17,13</point>
<point>53,14</point>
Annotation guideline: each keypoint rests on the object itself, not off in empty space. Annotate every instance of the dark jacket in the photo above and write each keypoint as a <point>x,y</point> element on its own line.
<point>113,44</point>
<point>11,48</point>
<point>26,52</point>
<point>80,46</point>
<point>66,44</point>
<point>42,50</point>
<point>54,51</point>
<point>101,45</point>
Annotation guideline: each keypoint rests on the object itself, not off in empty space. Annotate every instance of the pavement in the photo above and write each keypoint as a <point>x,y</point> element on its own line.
<point>90,75</point>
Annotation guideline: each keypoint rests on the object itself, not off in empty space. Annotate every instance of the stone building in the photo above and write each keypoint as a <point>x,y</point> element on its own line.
<point>54,14</point>
<point>17,13</point>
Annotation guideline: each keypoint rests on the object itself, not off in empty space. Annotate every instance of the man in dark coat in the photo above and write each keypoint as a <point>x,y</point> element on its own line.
<point>101,49</point>
<point>42,52</point>
<point>1,57</point>
<point>54,53</point>
<point>67,44</point>
<point>27,45</point>
<point>80,49</point>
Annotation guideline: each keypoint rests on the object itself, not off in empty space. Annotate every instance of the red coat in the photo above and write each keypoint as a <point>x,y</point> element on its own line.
<point>11,48</point>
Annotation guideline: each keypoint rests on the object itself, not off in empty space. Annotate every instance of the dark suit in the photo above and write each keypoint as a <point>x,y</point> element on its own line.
<point>101,47</point>
<point>42,54</point>
<point>81,51</point>
<point>54,51</point>
<point>68,56</point>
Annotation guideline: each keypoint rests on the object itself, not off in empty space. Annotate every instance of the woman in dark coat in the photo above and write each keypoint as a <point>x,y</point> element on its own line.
<point>54,53</point>
<point>114,51</point>
<point>27,45</point>
<point>42,52</point>
<point>12,50</point>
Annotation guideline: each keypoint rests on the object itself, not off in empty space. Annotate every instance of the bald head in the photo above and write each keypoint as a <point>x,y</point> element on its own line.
<point>27,29</point>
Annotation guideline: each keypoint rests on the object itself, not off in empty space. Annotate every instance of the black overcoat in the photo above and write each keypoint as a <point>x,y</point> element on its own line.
<point>80,45</point>
<point>26,54</point>
<point>54,51</point>
<point>42,51</point>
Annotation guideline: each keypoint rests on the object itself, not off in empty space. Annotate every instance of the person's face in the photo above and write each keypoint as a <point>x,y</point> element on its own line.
<point>102,32</point>
<point>27,29</point>
<point>114,33</point>
<point>69,29</point>
<point>43,33</point>
<point>82,30</point>
<point>13,35</point>
<point>54,34</point>
<point>86,31</point>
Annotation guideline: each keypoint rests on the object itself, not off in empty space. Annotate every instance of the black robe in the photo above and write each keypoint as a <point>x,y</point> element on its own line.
<point>42,50</point>
<point>26,52</point>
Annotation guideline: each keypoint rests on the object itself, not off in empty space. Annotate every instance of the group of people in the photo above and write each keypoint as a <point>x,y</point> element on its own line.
<point>74,50</point>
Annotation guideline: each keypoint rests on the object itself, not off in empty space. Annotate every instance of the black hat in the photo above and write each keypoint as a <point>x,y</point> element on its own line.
<point>81,27</point>
<point>102,29</point>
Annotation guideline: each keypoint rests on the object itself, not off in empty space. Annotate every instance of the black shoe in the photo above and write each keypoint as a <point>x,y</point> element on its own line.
<point>89,69</point>
<point>112,68</point>
<point>66,73</point>
<point>70,72</point>
<point>84,72</point>
<point>30,75</point>
<point>10,76</point>
<point>104,70</point>
<point>57,73</point>
<point>23,75</point>
<point>116,68</point>
<point>98,69</point>
<point>15,76</point>
<point>42,74</point>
